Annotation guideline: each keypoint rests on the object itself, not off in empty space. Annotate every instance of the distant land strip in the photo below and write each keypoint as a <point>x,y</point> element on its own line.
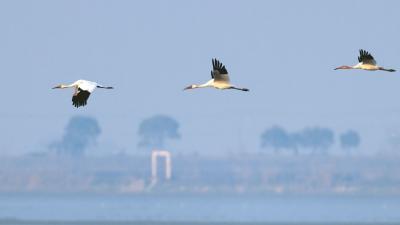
<point>109,222</point>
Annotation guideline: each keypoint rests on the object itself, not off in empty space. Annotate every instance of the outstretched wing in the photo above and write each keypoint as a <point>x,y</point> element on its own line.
<point>80,98</point>
<point>219,72</point>
<point>366,58</point>
<point>86,85</point>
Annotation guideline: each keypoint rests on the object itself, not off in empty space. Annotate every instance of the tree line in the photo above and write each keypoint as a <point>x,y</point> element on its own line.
<point>83,131</point>
<point>314,139</point>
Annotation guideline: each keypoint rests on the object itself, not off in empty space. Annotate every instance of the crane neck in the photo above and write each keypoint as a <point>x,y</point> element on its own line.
<point>68,85</point>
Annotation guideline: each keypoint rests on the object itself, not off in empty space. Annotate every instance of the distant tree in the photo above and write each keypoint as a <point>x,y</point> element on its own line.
<point>350,139</point>
<point>277,138</point>
<point>80,132</point>
<point>315,138</point>
<point>155,130</point>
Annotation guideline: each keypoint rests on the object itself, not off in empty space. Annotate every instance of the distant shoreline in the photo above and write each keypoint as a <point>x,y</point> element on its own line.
<point>110,222</point>
<point>244,174</point>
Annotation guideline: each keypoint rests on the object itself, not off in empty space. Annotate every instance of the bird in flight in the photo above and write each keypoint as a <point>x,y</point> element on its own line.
<point>83,89</point>
<point>366,62</point>
<point>219,79</point>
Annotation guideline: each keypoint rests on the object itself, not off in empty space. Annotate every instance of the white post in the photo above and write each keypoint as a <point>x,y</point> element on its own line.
<point>168,164</point>
<point>153,167</point>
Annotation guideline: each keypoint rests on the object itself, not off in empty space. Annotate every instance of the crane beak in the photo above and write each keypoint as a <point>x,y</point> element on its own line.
<point>56,87</point>
<point>338,68</point>
<point>188,88</point>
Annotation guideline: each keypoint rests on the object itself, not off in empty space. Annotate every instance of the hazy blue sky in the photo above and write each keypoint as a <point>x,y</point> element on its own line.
<point>284,51</point>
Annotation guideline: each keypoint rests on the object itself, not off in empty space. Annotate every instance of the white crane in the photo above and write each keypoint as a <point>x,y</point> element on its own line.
<point>366,62</point>
<point>220,78</point>
<point>83,89</point>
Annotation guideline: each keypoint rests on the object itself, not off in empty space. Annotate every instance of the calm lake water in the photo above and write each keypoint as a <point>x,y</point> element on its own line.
<point>209,209</point>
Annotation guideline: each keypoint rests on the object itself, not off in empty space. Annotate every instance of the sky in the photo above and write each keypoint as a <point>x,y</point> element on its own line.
<point>283,51</point>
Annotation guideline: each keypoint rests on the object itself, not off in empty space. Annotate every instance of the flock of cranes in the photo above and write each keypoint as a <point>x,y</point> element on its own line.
<point>219,79</point>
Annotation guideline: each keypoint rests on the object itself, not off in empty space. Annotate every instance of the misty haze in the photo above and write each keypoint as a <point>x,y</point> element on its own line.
<point>309,142</point>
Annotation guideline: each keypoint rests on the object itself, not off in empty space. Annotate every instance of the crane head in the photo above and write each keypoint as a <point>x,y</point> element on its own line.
<point>343,68</point>
<point>193,86</point>
<point>59,86</point>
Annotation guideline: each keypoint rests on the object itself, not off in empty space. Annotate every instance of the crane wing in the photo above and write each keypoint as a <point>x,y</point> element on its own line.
<point>366,58</point>
<point>219,72</point>
<point>86,85</point>
<point>80,97</point>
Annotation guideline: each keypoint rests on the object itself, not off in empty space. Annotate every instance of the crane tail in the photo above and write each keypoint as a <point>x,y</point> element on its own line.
<point>98,86</point>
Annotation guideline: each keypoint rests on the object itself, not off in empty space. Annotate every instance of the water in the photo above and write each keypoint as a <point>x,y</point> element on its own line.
<point>181,209</point>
